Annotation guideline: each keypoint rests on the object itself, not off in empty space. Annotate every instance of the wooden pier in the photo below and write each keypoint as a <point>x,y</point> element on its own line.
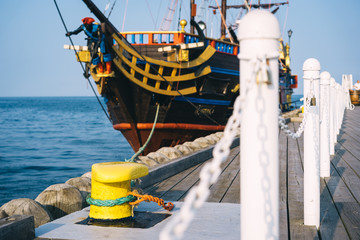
<point>340,193</point>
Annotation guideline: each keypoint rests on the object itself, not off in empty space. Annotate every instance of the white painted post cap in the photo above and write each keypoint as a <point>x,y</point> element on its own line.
<point>332,82</point>
<point>311,64</point>
<point>325,78</point>
<point>259,24</point>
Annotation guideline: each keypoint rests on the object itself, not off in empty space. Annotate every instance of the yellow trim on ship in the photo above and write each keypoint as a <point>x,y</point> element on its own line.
<point>148,87</point>
<point>206,55</point>
<point>145,73</point>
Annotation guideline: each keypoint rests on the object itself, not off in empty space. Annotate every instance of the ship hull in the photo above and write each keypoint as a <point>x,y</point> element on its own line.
<point>190,80</point>
<point>181,118</point>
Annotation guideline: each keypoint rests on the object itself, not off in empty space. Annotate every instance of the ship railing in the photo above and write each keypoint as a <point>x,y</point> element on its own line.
<point>176,37</point>
<point>153,37</point>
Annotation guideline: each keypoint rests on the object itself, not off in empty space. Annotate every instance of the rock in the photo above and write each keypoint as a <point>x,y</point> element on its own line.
<point>158,157</point>
<point>211,140</point>
<point>147,161</point>
<point>203,142</point>
<point>170,153</point>
<point>84,186</point>
<point>219,134</point>
<point>61,199</point>
<point>215,137</point>
<point>192,145</point>
<point>26,206</point>
<point>185,150</point>
<point>3,214</point>
<point>88,175</point>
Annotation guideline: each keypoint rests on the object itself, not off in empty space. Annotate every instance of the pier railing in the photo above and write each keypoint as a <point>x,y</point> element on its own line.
<point>256,109</point>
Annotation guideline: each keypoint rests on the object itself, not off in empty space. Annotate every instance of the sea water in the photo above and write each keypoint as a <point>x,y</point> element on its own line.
<point>48,140</point>
<point>296,97</point>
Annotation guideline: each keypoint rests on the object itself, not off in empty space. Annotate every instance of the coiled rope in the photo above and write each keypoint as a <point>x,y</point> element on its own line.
<point>133,198</point>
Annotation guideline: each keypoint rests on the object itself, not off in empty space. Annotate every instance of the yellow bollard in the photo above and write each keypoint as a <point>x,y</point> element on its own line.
<point>110,181</point>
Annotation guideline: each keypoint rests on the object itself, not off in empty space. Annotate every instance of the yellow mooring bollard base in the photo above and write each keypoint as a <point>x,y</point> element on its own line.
<point>110,181</point>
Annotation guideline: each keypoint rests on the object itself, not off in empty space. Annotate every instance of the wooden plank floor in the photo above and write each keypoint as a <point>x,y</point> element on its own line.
<point>339,196</point>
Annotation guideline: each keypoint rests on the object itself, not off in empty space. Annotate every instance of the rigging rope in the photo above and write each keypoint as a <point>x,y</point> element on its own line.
<point>178,25</point>
<point>285,21</point>
<point>132,159</point>
<point>142,58</point>
<point>77,55</point>
<point>224,22</point>
<point>112,8</point>
<point>152,17</point>
<point>122,28</point>
<point>162,77</point>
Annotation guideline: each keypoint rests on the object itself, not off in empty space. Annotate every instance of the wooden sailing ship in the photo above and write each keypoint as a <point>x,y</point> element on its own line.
<point>193,79</point>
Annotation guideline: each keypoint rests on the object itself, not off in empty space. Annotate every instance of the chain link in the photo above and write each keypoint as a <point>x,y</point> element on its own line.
<point>285,128</point>
<point>212,170</point>
<point>208,176</point>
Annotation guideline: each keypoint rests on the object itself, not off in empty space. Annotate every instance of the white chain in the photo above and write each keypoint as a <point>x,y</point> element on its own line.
<point>300,130</point>
<point>208,175</point>
<point>211,171</point>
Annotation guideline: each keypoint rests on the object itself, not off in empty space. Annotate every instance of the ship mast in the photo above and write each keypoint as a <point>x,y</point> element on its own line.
<point>192,15</point>
<point>223,12</point>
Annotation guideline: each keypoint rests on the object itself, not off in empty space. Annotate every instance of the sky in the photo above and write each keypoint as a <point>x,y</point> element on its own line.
<point>34,62</point>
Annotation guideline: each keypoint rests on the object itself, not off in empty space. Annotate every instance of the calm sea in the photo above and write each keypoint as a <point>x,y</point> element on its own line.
<point>47,140</point>
<point>296,97</point>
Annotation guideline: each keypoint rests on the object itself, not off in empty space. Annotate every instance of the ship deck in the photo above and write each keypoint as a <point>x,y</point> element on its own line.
<point>340,197</point>
<point>340,193</point>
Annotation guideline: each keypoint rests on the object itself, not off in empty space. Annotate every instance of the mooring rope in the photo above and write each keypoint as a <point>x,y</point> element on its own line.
<point>132,159</point>
<point>133,198</point>
<point>109,203</point>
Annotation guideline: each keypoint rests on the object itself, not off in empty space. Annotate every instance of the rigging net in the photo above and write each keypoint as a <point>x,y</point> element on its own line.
<point>167,20</point>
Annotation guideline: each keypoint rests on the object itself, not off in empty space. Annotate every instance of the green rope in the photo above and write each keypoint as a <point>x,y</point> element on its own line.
<point>132,159</point>
<point>110,203</point>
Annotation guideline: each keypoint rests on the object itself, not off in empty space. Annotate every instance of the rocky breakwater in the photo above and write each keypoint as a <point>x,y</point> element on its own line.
<point>61,199</point>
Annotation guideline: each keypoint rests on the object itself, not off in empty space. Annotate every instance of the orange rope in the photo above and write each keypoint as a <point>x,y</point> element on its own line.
<point>167,206</point>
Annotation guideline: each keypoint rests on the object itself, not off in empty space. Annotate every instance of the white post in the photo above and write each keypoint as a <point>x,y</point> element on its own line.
<point>324,124</point>
<point>311,70</point>
<point>345,87</point>
<point>259,34</point>
<point>342,105</point>
<point>338,108</point>
<point>332,117</point>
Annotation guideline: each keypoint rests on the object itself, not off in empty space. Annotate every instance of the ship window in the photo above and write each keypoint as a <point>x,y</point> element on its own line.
<point>214,86</point>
